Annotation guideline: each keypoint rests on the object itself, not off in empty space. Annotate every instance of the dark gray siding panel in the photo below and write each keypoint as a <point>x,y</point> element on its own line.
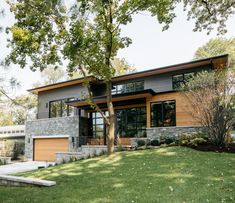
<point>45,97</point>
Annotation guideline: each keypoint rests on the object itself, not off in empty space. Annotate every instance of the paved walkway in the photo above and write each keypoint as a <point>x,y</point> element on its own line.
<point>22,167</point>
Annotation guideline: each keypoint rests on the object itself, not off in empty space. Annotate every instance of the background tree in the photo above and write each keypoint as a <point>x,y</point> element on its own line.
<point>51,75</point>
<point>18,110</point>
<point>215,47</point>
<point>122,67</point>
<point>89,35</point>
<point>24,108</point>
<point>212,103</point>
<point>6,118</point>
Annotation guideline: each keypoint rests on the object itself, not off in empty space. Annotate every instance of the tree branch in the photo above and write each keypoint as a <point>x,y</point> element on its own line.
<point>91,99</point>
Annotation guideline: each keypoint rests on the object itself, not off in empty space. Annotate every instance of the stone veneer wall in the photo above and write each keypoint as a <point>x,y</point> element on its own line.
<point>156,133</point>
<point>68,126</point>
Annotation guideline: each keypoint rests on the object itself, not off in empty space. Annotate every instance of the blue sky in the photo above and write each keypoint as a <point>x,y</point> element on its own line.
<point>151,48</point>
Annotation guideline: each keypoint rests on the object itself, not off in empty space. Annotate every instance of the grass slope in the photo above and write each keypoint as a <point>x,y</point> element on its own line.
<point>174,174</point>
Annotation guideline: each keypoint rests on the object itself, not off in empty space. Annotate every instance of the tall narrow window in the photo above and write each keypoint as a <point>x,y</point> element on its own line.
<point>98,125</point>
<point>163,114</point>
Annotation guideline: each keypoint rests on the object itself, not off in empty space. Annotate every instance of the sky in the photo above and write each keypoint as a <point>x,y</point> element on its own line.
<point>150,48</point>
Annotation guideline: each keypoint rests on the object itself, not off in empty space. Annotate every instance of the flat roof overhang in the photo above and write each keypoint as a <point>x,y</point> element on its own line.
<point>115,98</point>
<point>217,62</point>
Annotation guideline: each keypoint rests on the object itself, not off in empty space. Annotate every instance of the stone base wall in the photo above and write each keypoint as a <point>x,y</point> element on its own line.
<point>61,126</point>
<point>156,133</point>
<point>65,157</point>
<point>91,150</point>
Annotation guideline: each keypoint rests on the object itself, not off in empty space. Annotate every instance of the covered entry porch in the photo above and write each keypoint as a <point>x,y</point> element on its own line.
<point>130,119</point>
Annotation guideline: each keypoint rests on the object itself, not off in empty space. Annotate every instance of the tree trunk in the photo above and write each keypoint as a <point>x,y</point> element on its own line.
<point>111,126</point>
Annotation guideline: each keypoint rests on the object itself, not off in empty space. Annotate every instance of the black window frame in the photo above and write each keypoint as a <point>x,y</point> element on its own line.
<point>154,122</point>
<point>126,89</point>
<point>61,107</point>
<point>177,84</point>
<point>127,128</point>
<point>94,117</point>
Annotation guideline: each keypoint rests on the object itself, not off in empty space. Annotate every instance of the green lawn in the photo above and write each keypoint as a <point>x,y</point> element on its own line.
<point>173,174</point>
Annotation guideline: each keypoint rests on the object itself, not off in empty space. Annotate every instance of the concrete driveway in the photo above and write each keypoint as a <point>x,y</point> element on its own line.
<point>22,167</point>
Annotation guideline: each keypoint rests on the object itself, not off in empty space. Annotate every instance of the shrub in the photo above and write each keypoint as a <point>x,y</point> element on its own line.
<point>169,140</point>
<point>197,141</point>
<point>13,149</point>
<point>119,149</point>
<point>141,143</point>
<point>154,143</point>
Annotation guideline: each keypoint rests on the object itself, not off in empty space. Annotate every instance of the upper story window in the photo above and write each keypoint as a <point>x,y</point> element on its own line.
<point>128,87</point>
<point>59,108</point>
<point>180,79</point>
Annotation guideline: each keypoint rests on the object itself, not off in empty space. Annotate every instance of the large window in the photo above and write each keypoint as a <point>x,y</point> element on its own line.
<point>163,114</point>
<point>131,122</point>
<point>180,79</point>
<point>59,108</point>
<point>128,87</point>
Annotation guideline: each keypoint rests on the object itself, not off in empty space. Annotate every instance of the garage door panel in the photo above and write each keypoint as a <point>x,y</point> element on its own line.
<point>45,149</point>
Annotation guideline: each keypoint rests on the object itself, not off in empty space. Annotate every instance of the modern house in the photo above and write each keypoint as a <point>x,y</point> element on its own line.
<point>146,103</point>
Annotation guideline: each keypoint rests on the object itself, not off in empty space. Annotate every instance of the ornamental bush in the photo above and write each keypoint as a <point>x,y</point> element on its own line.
<point>141,143</point>
<point>154,143</point>
<point>13,149</point>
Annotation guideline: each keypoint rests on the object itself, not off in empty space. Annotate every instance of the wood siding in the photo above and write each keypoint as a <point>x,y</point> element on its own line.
<point>45,148</point>
<point>183,117</point>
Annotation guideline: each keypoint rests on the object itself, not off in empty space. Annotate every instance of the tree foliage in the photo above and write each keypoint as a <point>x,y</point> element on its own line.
<point>215,47</point>
<point>88,35</point>
<point>212,103</point>
<point>122,67</point>
<point>210,14</point>
<point>51,75</point>
<point>17,111</point>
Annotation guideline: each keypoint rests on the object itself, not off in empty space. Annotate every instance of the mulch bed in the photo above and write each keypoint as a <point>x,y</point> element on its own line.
<point>209,147</point>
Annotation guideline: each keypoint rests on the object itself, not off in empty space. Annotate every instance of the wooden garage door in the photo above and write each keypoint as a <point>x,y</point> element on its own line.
<point>45,149</point>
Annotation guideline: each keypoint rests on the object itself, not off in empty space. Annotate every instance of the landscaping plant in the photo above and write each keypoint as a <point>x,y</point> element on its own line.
<point>212,102</point>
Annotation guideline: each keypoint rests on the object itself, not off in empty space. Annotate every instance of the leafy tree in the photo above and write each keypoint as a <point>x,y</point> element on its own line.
<point>24,108</point>
<point>18,110</point>
<point>212,103</point>
<point>89,35</point>
<point>121,67</point>
<point>6,118</point>
<point>51,75</point>
<point>215,47</point>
